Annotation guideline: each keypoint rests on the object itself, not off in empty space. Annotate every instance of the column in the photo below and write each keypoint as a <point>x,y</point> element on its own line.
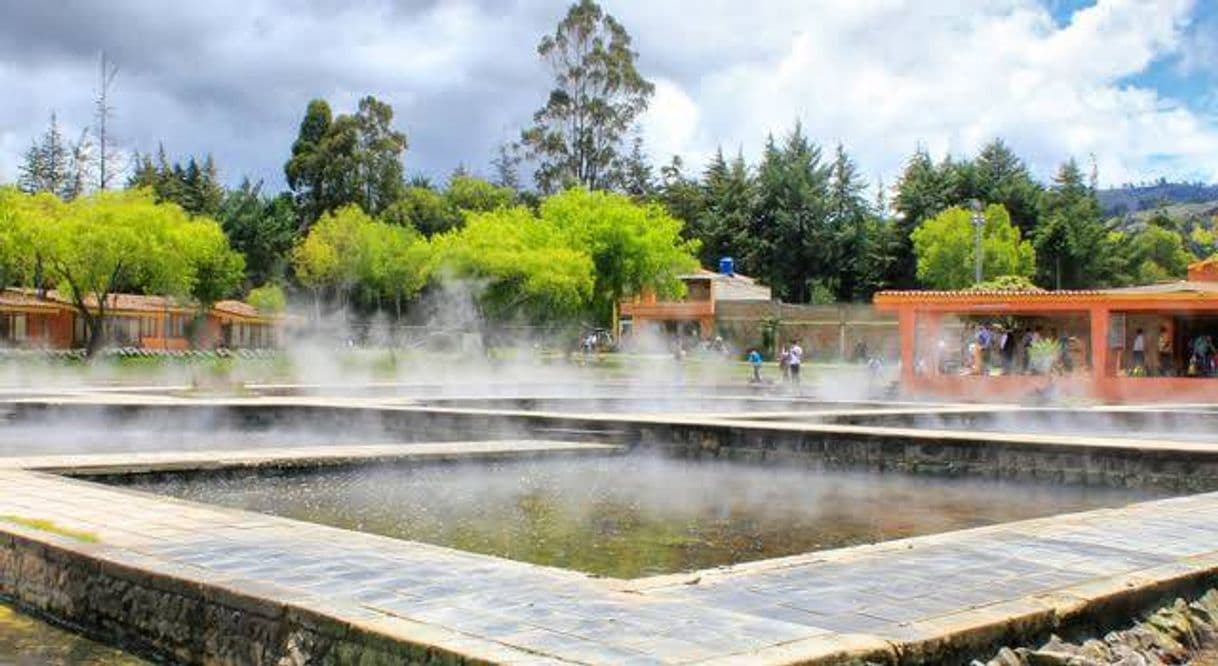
<point>907,320</point>
<point>1099,346</point>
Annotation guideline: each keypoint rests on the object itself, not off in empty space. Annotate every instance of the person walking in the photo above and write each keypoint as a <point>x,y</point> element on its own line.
<point>796,359</point>
<point>784,363</point>
<point>755,361</point>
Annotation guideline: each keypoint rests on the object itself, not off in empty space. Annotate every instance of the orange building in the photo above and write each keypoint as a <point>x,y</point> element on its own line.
<point>1103,360</point>
<point>144,322</point>
<point>695,310</point>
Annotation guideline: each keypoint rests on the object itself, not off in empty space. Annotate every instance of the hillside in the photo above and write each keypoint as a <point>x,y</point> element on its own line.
<point>1120,201</point>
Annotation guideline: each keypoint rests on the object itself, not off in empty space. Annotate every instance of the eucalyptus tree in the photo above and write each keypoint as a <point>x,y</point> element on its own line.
<point>598,94</point>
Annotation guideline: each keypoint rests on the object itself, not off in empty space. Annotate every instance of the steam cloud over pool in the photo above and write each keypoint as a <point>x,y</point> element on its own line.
<point>629,516</point>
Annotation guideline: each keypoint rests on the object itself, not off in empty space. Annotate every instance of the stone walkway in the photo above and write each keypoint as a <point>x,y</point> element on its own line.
<point>863,600</point>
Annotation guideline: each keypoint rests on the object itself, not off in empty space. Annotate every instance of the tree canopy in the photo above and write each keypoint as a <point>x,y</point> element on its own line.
<point>945,248</point>
<point>577,137</point>
<point>93,246</point>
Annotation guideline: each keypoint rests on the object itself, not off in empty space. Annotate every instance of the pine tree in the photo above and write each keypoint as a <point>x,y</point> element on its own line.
<point>46,166</point>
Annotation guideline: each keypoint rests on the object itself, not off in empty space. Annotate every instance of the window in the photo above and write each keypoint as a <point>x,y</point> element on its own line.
<point>148,327</point>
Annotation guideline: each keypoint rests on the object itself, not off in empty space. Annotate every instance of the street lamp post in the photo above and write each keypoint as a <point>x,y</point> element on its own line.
<point>978,225</point>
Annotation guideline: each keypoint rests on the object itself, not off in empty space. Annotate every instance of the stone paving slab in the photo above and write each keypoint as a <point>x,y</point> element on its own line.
<point>850,601</point>
<point>165,461</point>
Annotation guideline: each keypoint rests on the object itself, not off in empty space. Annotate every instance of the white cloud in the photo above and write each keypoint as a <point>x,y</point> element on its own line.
<point>233,76</point>
<point>885,75</point>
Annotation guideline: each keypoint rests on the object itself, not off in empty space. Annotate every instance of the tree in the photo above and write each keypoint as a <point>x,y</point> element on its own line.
<point>858,248</point>
<point>634,247</point>
<point>425,210</point>
<point>944,246</point>
<point>1152,255</point>
<point>1001,177</point>
<point>379,156</point>
<point>348,253</point>
<point>726,207</point>
<point>306,167</point>
<point>922,192</point>
<point>636,177</point>
<point>216,268</point>
<point>261,228</point>
<point>598,94</point>
<point>95,244</point>
<point>468,193</point>
<point>195,185</point>
<point>522,266</point>
<point>506,165</point>
<point>107,155</point>
<point>790,237</point>
<point>45,167</point>
<point>1071,241</point>
<point>343,160</point>
<point>268,299</point>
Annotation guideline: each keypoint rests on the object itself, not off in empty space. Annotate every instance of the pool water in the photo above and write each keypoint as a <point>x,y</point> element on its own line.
<point>637,515</point>
<point>26,640</point>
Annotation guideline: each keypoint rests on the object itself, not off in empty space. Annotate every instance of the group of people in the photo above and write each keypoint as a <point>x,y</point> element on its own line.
<point>790,360</point>
<point>1010,350</point>
<point>1201,353</point>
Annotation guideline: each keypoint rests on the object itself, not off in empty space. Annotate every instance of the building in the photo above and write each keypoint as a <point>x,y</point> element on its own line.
<point>50,321</point>
<point>940,354</point>
<point>694,314</point>
<point>745,314</point>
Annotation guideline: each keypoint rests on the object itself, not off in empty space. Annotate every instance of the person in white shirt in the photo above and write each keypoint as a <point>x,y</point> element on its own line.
<point>1139,352</point>
<point>796,357</point>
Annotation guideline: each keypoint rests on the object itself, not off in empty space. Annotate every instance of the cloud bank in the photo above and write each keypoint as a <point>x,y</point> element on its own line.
<point>881,76</point>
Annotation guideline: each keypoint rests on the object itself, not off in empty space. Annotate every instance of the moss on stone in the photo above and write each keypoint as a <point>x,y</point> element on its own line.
<point>43,525</point>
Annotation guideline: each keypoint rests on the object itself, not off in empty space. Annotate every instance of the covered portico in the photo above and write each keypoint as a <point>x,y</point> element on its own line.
<point>1101,327</point>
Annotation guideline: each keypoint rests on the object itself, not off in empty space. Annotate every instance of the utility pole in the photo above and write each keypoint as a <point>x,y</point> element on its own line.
<point>978,226</point>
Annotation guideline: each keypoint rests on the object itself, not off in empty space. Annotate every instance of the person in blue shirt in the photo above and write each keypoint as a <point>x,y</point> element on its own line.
<point>755,361</point>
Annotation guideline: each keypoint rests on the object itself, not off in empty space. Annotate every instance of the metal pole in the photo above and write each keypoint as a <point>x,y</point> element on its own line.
<point>978,225</point>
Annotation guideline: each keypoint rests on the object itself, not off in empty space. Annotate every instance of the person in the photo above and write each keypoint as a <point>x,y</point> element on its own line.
<point>1139,353</point>
<point>797,354</point>
<point>1200,362</point>
<point>755,361</point>
<point>1026,351</point>
<point>1007,349</point>
<point>1063,350</point>
<point>1166,363</point>
<point>784,363</point>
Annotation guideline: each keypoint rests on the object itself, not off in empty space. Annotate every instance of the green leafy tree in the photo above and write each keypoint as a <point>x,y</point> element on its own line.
<point>634,247</point>
<point>468,193</point>
<point>268,299</point>
<point>999,176</point>
<point>348,159</point>
<point>425,210</point>
<point>95,244</point>
<point>944,246</point>
<point>262,229</point>
<point>1152,255</point>
<point>524,267</point>
<point>577,136</point>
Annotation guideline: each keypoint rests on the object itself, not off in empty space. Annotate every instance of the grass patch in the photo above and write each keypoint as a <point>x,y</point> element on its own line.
<point>49,526</point>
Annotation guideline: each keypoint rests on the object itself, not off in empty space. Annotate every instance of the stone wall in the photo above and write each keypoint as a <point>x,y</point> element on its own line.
<point>827,332</point>
<point>149,611</point>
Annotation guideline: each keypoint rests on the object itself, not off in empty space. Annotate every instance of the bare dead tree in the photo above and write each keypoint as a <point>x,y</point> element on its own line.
<point>103,111</point>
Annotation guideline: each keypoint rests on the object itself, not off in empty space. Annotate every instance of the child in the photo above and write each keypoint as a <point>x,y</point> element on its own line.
<point>755,361</point>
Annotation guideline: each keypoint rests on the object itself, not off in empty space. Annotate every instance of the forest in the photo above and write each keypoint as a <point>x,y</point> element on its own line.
<point>572,215</point>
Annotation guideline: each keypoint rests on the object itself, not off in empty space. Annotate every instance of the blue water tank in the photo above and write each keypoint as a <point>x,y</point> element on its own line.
<point>727,266</point>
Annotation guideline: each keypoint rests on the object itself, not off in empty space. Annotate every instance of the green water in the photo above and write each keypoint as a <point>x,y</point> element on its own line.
<point>629,516</point>
<point>27,641</point>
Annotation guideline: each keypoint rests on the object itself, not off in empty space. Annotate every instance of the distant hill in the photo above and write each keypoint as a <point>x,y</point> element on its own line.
<point>1123,201</point>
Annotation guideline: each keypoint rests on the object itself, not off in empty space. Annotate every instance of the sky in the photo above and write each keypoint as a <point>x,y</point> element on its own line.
<point>1129,84</point>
